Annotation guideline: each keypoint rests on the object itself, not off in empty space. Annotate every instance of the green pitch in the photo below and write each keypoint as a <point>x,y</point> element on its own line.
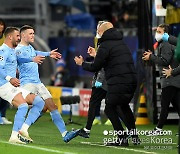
<point>47,140</point>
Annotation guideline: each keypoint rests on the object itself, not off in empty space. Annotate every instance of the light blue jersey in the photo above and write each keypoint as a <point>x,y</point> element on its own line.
<point>8,63</point>
<point>28,72</point>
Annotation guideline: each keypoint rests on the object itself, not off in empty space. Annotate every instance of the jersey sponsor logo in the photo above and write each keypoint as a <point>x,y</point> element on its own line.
<point>1,58</point>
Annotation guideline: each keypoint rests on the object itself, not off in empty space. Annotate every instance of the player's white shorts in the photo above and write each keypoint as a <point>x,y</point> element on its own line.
<point>8,92</point>
<point>38,89</point>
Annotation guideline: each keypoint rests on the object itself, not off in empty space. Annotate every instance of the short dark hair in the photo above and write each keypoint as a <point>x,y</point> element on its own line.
<point>165,27</point>
<point>9,30</point>
<point>3,23</point>
<point>25,27</point>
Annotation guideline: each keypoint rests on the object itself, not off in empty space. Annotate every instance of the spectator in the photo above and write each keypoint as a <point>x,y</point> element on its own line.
<point>61,76</point>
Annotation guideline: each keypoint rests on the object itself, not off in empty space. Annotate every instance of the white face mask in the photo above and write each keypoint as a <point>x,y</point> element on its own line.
<point>98,36</point>
<point>158,37</point>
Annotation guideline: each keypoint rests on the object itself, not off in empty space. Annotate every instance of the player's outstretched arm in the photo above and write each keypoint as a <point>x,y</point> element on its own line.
<point>55,55</point>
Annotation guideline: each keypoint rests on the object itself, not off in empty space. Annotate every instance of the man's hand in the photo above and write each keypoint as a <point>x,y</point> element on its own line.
<point>146,55</point>
<point>55,55</point>
<point>15,82</point>
<point>91,51</point>
<point>167,72</point>
<point>98,84</point>
<point>38,59</point>
<point>79,60</point>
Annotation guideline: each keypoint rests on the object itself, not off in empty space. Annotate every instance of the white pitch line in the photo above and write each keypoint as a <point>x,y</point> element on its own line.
<point>39,148</point>
<point>141,151</point>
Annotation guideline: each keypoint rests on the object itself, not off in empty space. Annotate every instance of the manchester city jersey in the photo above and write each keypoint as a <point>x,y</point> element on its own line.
<point>28,72</point>
<point>8,63</point>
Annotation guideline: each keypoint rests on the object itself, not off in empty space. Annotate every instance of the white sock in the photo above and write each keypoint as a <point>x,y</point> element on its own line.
<point>14,133</point>
<point>86,130</point>
<point>64,133</point>
<point>24,127</point>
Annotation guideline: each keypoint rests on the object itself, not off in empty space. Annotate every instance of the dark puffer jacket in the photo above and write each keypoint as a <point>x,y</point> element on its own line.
<point>100,77</point>
<point>115,57</point>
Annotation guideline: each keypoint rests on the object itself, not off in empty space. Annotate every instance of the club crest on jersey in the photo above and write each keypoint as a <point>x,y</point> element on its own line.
<point>18,52</point>
<point>1,58</point>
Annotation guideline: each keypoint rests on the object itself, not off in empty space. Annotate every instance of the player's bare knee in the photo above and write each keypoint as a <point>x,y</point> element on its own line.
<point>30,98</point>
<point>45,109</point>
<point>50,104</point>
<point>19,99</point>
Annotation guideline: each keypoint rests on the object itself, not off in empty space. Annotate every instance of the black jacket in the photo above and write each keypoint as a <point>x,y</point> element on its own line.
<point>100,77</point>
<point>115,57</point>
<point>172,40</point>
<point>164,58</point>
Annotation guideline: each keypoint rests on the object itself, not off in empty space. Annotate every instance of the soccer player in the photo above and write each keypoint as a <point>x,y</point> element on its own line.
<point>29,78</point>
<point>3,103</point>
<point>10,91</point>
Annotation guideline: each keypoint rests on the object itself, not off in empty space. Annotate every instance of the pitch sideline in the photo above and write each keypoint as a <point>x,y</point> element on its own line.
<point>139,151</point>
<point>39,148</point>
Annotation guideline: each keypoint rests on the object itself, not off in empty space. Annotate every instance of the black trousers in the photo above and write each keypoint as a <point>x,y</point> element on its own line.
<point>116,103</point>
<point>97,112</point>
<point>3,107</point>
<point>97,95</point>
<point>169,95</point>
<point>179,139</point>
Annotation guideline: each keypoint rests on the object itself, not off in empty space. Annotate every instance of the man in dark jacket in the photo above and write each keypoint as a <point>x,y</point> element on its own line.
<point>168,72</point>
<point>115,57</point>
<point>98,94</point>
<point>99,89</point>
<point>171,85</point>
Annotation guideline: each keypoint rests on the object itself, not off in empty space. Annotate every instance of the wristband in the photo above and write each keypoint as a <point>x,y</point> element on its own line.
<point>8,78</point>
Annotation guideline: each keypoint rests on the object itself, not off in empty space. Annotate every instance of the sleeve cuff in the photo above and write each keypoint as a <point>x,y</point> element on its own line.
<point>48,54</point>
<point>8,78</point>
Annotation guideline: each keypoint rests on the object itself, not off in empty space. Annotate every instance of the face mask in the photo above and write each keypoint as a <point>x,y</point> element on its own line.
<point>98,36</point>
<point>158,37</point>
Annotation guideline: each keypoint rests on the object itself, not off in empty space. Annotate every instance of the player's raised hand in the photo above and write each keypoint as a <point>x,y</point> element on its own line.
<point>38,59</point>
<point>91,51</point>
<point>79,60</point>
<point>15,82</point>
<point>55,55</point>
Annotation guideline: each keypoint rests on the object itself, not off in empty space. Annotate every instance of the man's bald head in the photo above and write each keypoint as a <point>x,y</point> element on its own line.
<point>103,27</point>
<point>106,25</point>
